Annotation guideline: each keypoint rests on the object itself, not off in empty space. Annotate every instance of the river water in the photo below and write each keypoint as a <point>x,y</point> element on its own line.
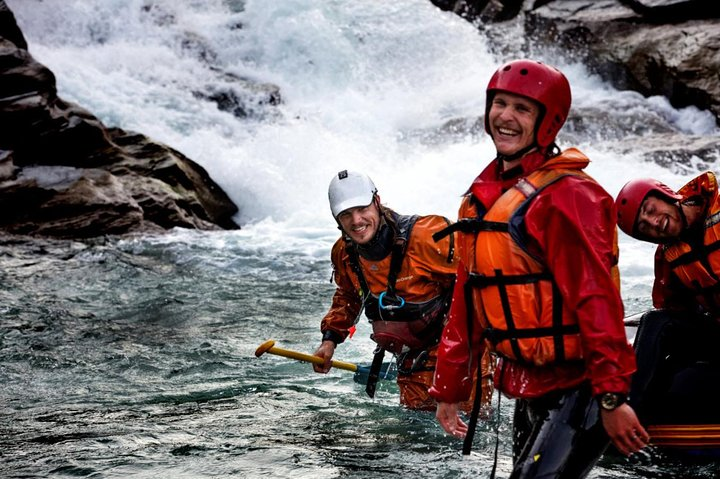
<point>134,357</point>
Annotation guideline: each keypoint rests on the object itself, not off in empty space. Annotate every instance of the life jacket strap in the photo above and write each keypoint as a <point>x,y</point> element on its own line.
<point>451,249</point>
<point>513,334</point>
<point>416,364</point>
<point>470,225</point>
<point>399,248</point>
<point>475,412</point>
<point>354,260</point>
<point>495,335</point>
<point>482,281</point>
<point>374,373</point>
<point>701,254</point>
<point>695,254</point>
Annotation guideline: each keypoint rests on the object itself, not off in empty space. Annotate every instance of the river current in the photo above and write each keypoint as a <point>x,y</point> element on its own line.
<point>134,357</point>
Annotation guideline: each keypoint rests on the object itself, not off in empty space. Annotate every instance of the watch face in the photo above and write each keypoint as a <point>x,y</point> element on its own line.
<point>609,401</point>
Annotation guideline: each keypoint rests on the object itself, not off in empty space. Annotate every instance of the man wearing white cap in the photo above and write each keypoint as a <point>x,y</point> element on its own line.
<point>389,265</point>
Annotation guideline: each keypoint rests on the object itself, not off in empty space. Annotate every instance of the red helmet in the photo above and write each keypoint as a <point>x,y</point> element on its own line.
<point>537,81</point>
<point>631,197</point>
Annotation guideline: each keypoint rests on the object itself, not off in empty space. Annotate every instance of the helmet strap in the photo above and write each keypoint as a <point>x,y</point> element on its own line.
<point>552,150</point>
<point>518,154</point>
<point>682,215</point>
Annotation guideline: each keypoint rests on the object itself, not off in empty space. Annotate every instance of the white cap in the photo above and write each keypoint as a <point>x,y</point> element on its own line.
<point>349,189</point>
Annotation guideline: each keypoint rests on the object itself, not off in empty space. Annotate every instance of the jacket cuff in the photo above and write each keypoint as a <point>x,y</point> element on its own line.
<point>330,335</point>
<point>452,391</point>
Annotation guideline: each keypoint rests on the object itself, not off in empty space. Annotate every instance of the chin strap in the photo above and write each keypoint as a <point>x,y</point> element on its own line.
<point>682,215</point>
<point>518,154</point>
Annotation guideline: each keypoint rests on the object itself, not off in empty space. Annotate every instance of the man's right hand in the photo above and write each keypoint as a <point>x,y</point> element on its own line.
<point>325,351</point>
<point>624,429</point>
<point>449,418</point>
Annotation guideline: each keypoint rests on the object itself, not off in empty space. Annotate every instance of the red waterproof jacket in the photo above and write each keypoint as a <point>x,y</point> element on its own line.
<point>686,271</point>
<point>580,260</point>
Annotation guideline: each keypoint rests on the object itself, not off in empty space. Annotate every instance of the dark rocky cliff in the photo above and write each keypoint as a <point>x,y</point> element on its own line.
<point>63,173</point>
<point>656,47</point>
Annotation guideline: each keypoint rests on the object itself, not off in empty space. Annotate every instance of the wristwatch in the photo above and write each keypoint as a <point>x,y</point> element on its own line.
<point>610,401</point>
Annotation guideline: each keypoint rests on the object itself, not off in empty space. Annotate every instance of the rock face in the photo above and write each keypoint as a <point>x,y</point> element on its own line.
<point>656,47</point>
<point>663,49</point>
<point>65,174</point>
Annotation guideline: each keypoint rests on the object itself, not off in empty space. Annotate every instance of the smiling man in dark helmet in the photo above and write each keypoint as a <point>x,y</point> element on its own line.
<point>539,282</point>
<point>389,265</point>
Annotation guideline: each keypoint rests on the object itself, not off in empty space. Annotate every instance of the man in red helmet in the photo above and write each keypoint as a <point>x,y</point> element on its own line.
<point>678,376</point>
<point>686,227</point>
<point>538,283</point>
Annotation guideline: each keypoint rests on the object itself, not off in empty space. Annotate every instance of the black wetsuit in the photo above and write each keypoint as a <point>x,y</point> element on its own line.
<point>563,427</point>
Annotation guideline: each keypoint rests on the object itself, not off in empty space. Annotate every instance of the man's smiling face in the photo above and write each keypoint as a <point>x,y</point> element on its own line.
<point>512,120</point>
<point>361,223</point>
<point>659,219</point>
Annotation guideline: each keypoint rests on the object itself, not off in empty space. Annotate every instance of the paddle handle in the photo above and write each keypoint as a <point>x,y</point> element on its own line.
<point>269,347</point>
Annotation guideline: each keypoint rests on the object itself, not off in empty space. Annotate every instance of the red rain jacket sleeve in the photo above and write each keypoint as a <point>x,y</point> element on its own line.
<point>453,379</point>
<point>458,355</point>
<point>573,222</point>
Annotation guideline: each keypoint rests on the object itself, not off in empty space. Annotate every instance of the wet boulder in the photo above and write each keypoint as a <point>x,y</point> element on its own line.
<point>63,173</point>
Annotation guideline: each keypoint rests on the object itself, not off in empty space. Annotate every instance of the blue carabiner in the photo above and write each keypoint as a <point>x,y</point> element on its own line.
<point>390,307</point>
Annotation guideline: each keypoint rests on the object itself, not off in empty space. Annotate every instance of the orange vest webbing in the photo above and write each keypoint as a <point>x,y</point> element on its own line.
<point>514,335</point>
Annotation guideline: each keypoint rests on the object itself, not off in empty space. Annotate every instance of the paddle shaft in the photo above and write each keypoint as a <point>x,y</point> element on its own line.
<point>634,319</point>
<point>309,358</point>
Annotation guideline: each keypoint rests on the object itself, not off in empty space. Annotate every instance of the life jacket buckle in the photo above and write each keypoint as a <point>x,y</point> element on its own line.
<point>494,335</point>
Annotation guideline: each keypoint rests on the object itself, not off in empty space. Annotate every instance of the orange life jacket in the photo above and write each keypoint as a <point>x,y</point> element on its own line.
<point>521,304</point>
<point>697,265</point>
